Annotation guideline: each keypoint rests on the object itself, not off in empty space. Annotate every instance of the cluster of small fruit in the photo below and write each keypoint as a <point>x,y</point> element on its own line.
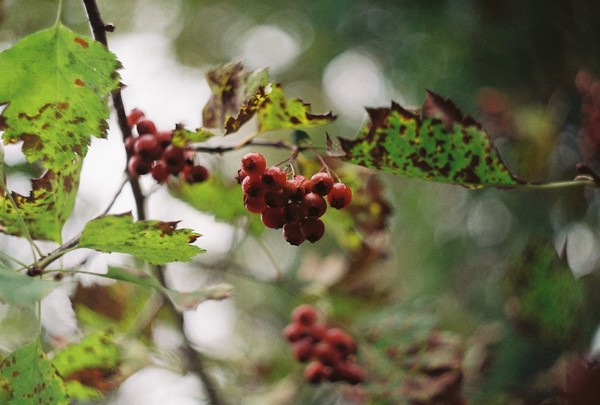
<point>332,350</point>
<point>152,152</point>
<point>294,204</point>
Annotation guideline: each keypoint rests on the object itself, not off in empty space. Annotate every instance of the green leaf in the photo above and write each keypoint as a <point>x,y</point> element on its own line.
<point>215,197</point>
<point>231,87</point>
<point>440,144</point>
<point>47,207</point>
<point>95,355</point>
<point>239,95</point>
<point>30,378</point>
<point>98,350</point>
<point>55,83</point>
<point>277,112</point>
<point>183,301</point>
<point>20,289</point>
<point>546,299</point>
<point>155,242</point>
<point>181,136</point>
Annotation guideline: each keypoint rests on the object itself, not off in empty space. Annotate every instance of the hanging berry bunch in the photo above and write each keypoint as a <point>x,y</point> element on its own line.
<point>295,204</point>
<point>331,350</point>
<point>153,152</point>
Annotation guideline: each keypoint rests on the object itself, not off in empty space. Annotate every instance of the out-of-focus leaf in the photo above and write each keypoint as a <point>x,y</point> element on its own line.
<point>155,242</point>
<point>85,365</point>
<point>182,300</point>
<point>181,136</point>
<point>545,298</point>
<point>30,378</point>
<point>231,87</point>
<point>20,289</point>
<point>218,198</point>
<point>440,144</point>
<point>55,83</point>
<point>409,361</point>
<point>46,209</point>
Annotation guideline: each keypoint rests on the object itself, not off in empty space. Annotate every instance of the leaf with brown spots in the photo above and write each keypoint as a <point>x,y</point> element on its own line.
<point>54,84</point>
<point>239,95</point>
<point>47,207</point>
<point>232,86</point>
<point>30,378</point>
<point>440,144</point>
<point>155,242</point>
<point>89,364</point>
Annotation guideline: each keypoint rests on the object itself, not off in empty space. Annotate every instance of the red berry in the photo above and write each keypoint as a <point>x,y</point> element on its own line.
<point>160,171</point>
<point>134,116</point>
<point>305,315</point>
<point>147,146</point>
<point>341,340</point>
<point>255,204</point>
<point>275,199</point>
<point>351,373</point>
<point>195,174</point>
<point>321,183</point>
<point>145,126</point>
<point>313,205</point>
<point>315,372</point>
<point>164,138</point>
<point>296,188</point>
<point>293,213</point>
<point>292,234</point>
<point>294,332</point>
<point>327,354</point>
<point>254,164</point>
<point>272,218</point>
<point>312,229</point>
<point>174,158</point>
<point>318,331</point>
<point>302,350</point>
<point>274,178</point>
<point>129,142</point>
<point>138,166</point>
<point>340,196</point>
<point>253,187</point>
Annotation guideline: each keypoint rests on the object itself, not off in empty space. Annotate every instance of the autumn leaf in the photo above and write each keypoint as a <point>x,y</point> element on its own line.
<point>47,207</point>
<point>239,95</point>
<point>54,83</point>
<point>231,85</point>
<point>28,377</point>
<point>439,144</point>
<point>155,242</point>
<point>85,365</point>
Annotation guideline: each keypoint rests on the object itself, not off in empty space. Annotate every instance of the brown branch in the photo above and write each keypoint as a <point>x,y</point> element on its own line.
<point>99,29</point>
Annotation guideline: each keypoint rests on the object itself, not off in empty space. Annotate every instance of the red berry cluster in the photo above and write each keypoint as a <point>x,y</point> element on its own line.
<point>294,204</point>
<point>331,349</point>
<point>152,152</point>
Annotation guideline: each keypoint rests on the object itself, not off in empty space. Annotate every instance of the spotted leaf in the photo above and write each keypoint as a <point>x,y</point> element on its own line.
<point>439,144</point>
<point>155,242</point>
<point>28,377</point>
<point>45,210</point>
<point>232,86</point>
<point>54,83</point>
